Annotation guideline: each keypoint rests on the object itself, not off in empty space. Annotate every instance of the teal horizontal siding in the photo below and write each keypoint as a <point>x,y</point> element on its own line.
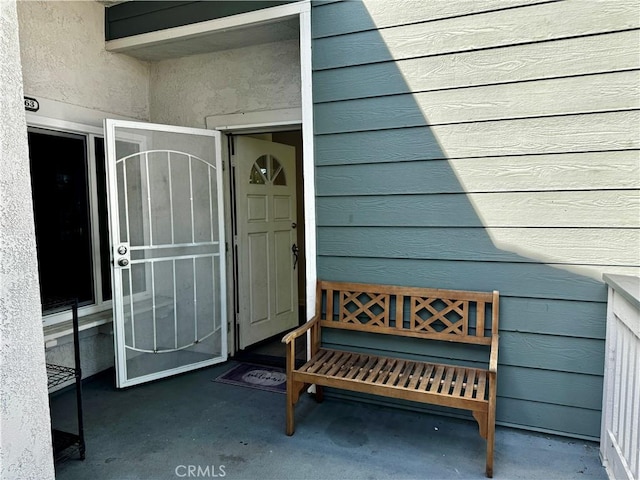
<point>530,350</point>
<point>537,416</point>
<point>511,279</point>
<point>526,25</point>
<point>559,134</point>
<point>606,92</point>
<point>429,210</point>
<point>461,244</point>
<point>432,149</point>
<point>349,17</point>
<point>564,58</point>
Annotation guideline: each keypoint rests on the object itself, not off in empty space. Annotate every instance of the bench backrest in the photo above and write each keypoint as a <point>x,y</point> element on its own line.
<point>449,315</point>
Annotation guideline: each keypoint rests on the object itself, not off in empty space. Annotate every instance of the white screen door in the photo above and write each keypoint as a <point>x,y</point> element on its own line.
<point>167,237</point>
<point>265,181</point>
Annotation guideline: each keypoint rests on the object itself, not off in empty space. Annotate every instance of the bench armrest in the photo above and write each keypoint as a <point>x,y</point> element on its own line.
<point>493,360</point>
<point>289,337</point>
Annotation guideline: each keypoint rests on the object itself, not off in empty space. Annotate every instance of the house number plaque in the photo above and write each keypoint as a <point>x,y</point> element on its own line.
<point>31,104</point>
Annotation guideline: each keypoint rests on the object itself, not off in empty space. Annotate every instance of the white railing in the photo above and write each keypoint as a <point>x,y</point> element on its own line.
<point>620,432</point>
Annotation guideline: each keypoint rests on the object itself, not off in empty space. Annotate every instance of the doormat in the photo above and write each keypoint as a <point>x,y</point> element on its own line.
<point>272,379</point>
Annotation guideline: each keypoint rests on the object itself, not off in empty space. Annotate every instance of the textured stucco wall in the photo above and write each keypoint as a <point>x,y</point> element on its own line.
<point>185,90</point>
<point>25,439</point>
<point>64,59</point>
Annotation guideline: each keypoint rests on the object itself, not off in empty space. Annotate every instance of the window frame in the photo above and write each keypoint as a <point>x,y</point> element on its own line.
<point>91,133</point>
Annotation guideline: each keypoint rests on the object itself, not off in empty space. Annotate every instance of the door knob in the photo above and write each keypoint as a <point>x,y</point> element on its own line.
<point>123,262</point>
<point>295,250</point>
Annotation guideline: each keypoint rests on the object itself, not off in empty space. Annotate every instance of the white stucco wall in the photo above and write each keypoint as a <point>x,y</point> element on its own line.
<point>25,439</point>
<point>64,59</point>
<point>185,90</point>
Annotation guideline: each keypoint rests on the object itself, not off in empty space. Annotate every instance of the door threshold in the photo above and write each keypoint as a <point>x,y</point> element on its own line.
<point>271,352</point>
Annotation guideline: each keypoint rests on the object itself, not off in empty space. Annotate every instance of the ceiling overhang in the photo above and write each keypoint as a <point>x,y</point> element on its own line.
<point>258,27</point>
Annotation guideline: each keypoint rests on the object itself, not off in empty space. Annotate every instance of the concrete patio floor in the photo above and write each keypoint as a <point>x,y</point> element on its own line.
<point>159,430</point>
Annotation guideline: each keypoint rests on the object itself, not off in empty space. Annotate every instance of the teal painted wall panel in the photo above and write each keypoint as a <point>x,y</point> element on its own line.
<point>434,176</point>
<point>538,416</point>
<point>398,111</point>
<point>553,317</point>
<point>530,350</point>
<point>550,417</point>
<point>391,209</point>
<point>405,144</point>
<point>397,210</point>
<point>432,243</point>
<point>358,82</point>
<point>471,244</point>
<point>547,386</point>
<point>511,279</point>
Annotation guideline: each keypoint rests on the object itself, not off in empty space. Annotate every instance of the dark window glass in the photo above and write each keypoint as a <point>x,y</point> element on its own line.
<point>59,183</point>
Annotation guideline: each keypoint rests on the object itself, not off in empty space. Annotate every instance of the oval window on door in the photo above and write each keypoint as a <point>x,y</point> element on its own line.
<point>267,170</point>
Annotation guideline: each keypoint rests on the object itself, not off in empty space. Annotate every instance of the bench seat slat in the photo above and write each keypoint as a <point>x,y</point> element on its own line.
<point>397,378</point>
<point>446,385</point>
<point>482,382</point>
<point>419,377</point>
<point>459,381</point>
<point>417,374</point>
<point>339,363</point>
<point>435,383</point>
<point>357,367</point>
<point>316,362</point>
<point>470,384</point>
<point>347,368</point>
<point>375,371</point>
<point>366,369</point>
<point>426,377</point>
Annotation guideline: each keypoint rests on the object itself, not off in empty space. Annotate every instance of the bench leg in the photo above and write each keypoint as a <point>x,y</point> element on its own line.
<point>291,403</point>
<point>319,394</point>
<point>491,423</point>
<point>487,431</point>
<point>490,443</point>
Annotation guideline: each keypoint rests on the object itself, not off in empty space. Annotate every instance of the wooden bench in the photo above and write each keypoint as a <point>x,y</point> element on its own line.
<point>430,314</point>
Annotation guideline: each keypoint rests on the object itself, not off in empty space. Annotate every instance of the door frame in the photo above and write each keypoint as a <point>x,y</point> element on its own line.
<point>261,120</point>
<point>228,131</point>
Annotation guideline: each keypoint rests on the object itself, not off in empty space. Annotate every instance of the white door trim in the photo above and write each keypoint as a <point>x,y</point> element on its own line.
<point>302,10</point>
<point>265,120</point>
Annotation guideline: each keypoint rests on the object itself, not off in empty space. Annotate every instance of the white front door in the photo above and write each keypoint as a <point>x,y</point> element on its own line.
<point>167,237</point>
<point>265,186</point>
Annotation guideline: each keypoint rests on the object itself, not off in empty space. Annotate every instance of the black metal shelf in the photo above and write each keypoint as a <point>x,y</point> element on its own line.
<point>67,444</point>
<point>57,375</point>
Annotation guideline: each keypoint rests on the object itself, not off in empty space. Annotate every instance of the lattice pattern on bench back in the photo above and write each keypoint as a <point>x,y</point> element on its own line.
<point>462,316</point>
